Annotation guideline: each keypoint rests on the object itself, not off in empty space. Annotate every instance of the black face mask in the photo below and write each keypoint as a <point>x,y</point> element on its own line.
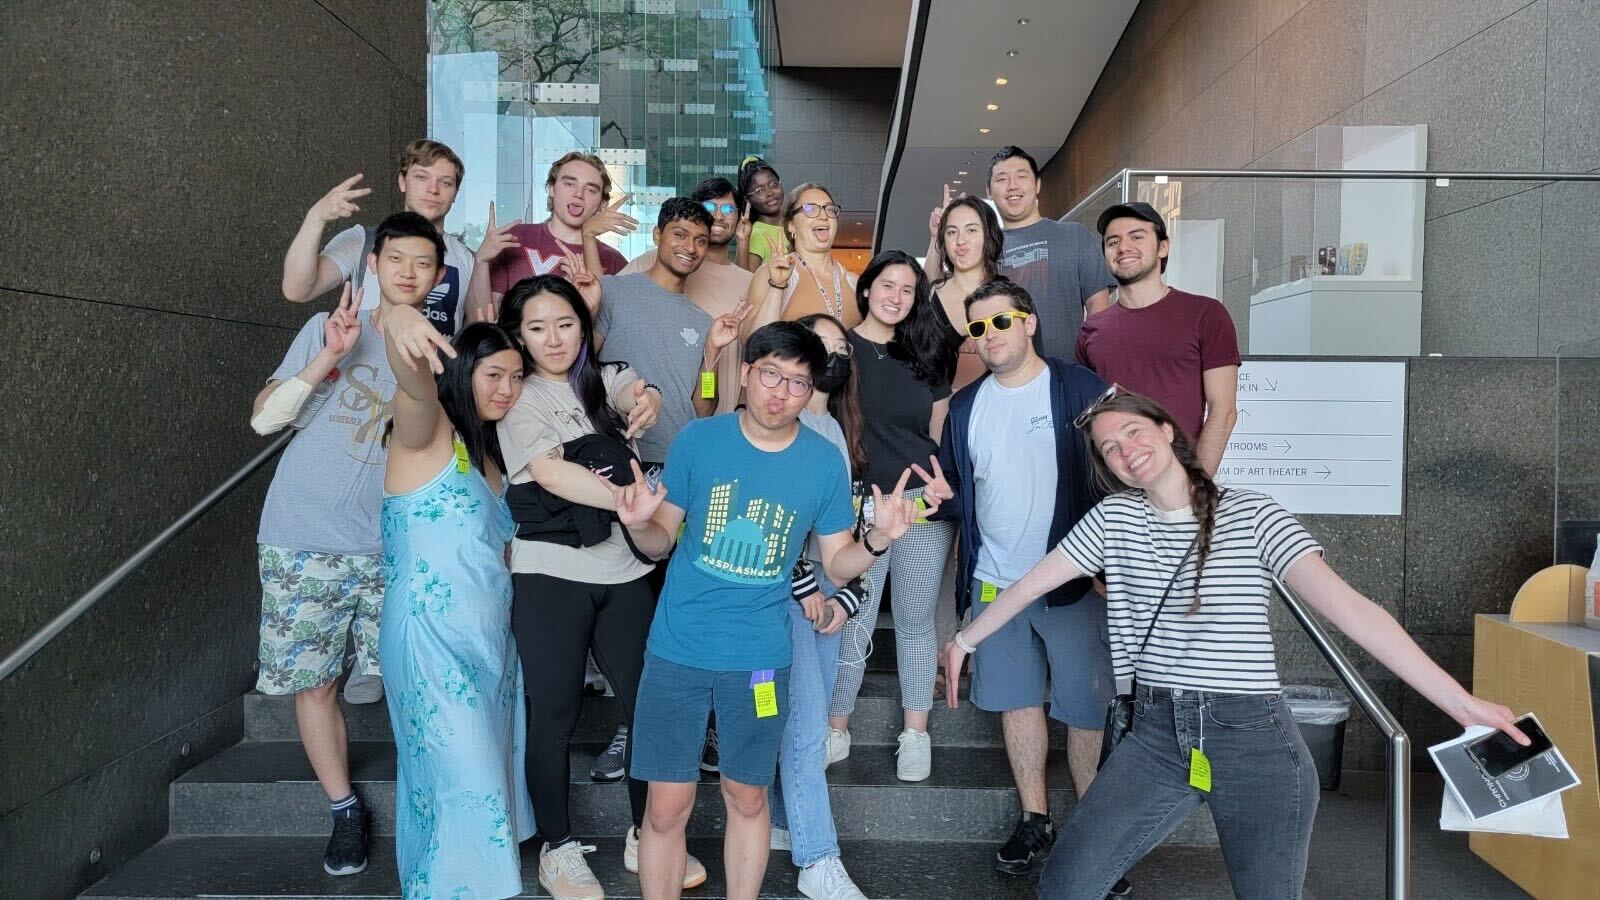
<point>834,374</point>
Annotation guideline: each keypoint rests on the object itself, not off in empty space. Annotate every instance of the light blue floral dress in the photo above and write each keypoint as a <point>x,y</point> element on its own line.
<point>455,690</point>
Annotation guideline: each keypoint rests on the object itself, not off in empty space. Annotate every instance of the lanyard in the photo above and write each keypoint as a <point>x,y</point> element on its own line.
<point>835,307</point>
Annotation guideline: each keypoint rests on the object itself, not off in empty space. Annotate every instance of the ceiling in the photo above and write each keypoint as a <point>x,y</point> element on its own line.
<point>1060,54</point>
<point>843,33</point>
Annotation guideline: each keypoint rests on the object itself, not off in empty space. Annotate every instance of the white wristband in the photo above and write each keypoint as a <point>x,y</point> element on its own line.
<point>962,643</point>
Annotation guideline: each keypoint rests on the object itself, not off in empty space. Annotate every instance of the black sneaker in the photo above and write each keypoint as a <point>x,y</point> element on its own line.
<point>347,849</point>
<point>710,759</point>
<point>1029,843</point>
<point>1121,889</point>
<point>611,765</point>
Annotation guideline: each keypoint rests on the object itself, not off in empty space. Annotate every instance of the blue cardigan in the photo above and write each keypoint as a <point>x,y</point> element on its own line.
<point>1072,389</point>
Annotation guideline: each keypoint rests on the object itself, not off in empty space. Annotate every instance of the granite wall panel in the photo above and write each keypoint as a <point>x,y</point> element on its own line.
<point>171,150</point>
<point>833,125</point>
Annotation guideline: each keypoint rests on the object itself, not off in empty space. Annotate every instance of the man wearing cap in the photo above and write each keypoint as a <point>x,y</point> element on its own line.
<point>1176,348</point>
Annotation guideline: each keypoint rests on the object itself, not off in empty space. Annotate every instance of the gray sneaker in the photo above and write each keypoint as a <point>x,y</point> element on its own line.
<point>363,688</point>
<point>611,764</point>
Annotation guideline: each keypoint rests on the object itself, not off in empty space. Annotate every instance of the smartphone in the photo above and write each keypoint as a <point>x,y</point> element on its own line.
<point>1498,754</point>
<point>652,478</point>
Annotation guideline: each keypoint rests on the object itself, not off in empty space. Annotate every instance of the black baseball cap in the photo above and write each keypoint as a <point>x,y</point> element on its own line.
<point>1138,209</point>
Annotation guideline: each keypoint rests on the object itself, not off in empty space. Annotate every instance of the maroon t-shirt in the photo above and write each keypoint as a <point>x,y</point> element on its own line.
<point>1161,350</point>
<point>541,254</point>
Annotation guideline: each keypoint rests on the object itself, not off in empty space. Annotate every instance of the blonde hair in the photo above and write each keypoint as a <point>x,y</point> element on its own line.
<point>426,152</point>
<point>579,156</point>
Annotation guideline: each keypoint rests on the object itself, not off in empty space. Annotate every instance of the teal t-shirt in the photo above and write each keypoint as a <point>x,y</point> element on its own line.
<point>746,515</point>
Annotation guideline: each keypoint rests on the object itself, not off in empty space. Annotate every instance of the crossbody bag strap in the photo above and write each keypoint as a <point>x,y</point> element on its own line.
<point>1165,593</point>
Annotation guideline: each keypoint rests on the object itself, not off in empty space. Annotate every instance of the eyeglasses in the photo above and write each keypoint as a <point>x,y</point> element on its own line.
<point>771,378</point>
<point>815,210</point>
<point>726,209</point>
<point>1092,409</point>
<point>771,187</point>
<point>1001,322</point>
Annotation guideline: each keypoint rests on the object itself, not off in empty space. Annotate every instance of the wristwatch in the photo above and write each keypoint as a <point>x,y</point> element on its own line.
<point>868,544</point>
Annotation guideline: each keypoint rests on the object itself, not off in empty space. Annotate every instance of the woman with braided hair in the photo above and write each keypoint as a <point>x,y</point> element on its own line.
<point>1188,568</point>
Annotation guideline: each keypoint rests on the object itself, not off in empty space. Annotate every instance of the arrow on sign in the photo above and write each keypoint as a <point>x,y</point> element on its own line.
<point>1243,412</point>
<point>1324,472</point>
<point>1271,385</point>
<point>1285,446</point>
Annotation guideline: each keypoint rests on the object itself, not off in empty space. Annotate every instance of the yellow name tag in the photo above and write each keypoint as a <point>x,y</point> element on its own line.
<point>987,592</point>
<point>922,508</point>
<point>766,699</point>
<point>1199,770</point>
<point>708,385</point>
<point>462,462</point>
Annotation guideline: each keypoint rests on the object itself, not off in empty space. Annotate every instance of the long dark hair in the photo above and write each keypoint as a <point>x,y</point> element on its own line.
<point>993,238</point>
<point>923,341</point>
<point>1203,492</point>
<point>585,376</point>
<point>843,403</point>
<point>473,344</point>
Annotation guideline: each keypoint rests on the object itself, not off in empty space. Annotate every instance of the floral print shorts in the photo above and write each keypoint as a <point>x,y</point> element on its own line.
<point>310,603</point>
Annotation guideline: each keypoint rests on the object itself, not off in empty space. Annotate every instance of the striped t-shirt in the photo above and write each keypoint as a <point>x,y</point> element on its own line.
<point>1226,644</point>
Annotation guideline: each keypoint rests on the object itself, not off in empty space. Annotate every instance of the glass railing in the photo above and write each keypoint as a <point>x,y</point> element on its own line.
<point>1332,247</point>
<point>666,92</point>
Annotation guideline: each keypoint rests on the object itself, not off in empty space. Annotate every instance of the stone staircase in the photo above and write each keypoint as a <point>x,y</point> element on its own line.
<point>252,821</point>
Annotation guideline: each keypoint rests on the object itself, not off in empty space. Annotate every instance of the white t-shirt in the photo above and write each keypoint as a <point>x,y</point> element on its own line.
<point>1013,441</point>
<point>1226,644</point>
<point>444,306</point>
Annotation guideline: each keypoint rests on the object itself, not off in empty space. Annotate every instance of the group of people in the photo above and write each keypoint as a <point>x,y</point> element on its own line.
<point>704,470</point>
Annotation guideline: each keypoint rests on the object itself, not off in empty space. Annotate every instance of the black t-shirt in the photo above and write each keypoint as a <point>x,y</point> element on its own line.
<point>896,407</point>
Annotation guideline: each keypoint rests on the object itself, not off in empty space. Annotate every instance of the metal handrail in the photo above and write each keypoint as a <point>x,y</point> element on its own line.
<point>1122,178</point>
<point>94,595</point>
<point>1397,869</point>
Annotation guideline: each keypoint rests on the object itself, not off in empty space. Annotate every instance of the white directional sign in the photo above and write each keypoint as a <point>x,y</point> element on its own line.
<point>1321,437</point>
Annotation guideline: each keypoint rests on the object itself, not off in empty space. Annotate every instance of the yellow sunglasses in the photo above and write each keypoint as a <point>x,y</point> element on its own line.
<point>1001,321</point>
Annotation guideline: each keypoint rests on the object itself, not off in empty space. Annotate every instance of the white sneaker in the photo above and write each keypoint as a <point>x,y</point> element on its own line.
<point>694,871</point>
<point>827,880</point>
<point>914,759</point>
<point>780,840</point>
<point>566,875</point>
<point>837,747</point>
<point>359,688</point>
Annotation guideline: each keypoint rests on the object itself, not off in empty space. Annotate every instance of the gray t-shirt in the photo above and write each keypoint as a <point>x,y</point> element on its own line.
<point>1062,265</point>
<point>328,489</point>
<point>662,335</point>
<point>827,426</point>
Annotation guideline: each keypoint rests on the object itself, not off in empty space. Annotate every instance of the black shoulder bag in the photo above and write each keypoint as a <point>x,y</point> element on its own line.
<point>1119,712</point>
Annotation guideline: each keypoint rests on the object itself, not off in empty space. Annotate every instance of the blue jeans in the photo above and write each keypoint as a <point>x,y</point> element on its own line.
<point>800,795</point>
<point>1263,795</point>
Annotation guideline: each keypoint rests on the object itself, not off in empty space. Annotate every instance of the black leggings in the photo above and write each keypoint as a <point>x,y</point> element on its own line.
<point>556,622</point>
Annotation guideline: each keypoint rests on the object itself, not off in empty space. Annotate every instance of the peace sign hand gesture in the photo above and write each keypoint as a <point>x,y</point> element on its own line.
<point>937,216</point>
<point>780,266</point>
<point>415,338</point>
<point>636,503</point>
<point>496,239</point>
<point>725,328</point>
<point>893,515</point>
<point>741,231</point>
<point>343,327</point>
<point>581,278</point>
<point>339,203</point>
<point>611,218</point>
<point>936,489</point>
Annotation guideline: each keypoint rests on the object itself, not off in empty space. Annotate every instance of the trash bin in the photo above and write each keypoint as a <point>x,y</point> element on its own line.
<point>1320,713</point>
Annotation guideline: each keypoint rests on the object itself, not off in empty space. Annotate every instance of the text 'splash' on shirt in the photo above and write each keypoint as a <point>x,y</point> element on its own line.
<point>725,603</point>
<point>1226,644</point>
<point>328,488</point>
<point>1061,265</point>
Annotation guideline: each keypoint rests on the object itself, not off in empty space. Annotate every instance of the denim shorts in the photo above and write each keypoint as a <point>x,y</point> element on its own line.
<point>669,723</point>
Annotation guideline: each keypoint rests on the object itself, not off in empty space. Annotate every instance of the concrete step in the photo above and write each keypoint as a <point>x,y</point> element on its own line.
<point>268,788</point>
<point>877,720</point>
<point>240,867</point>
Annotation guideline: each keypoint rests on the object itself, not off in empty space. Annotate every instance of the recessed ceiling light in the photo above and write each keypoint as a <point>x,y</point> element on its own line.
<point>1002,80</point>
<point>957,181</point>
<point>1022,21</point>
<point>961,173</point>
<point>983,131</point>
<point>992,107</point>
<point>1011,53</point>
